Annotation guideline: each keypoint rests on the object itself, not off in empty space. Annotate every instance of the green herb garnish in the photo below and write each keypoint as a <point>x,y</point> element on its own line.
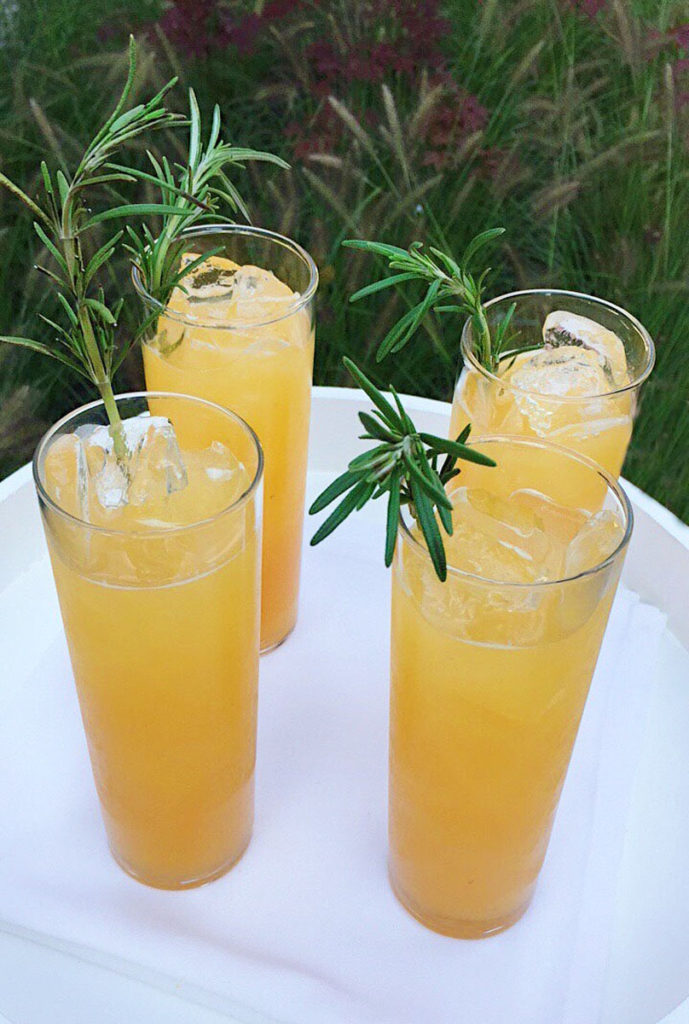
<point>451,289</point>
<point>192,194</point>
<point>405,466</point>
<point>189,194</point>
<point>86,341</point>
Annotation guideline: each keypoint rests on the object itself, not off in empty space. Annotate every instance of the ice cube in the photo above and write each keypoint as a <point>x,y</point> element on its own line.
<point>102,474</point>
<point>494,541</point>
<point>525,538</point>
<point>268,343</point>
<point>560,522</point>
<point>152,469</point>
<point>497,538</point>
<point>216,479</point>
<point>158,469</point>
<point>219,463</point>
<point>565,371</point>
<point>219,290</point>
<point>204,293</point>
<point>210,281</point>
<point>228,476</point>
<point>248,282</point>
<point>567,330</point>
<point>260,296</point>
<point>66,475</point>
<point>569,434</point>
<point>597,539</point>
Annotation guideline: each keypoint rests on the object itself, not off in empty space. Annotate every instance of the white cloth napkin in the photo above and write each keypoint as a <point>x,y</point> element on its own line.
<point>305,930</point>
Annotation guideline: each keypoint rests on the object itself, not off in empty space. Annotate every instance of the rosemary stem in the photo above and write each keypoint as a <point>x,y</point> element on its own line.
<point>104,385</point>
<point>484,340</point>
<point>116,428</point>
<point>101,378</point>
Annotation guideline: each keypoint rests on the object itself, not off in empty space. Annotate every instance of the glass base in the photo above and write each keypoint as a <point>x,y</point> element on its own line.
<point>191,883</point>
<point>277,643</point>
<point>457,929</point>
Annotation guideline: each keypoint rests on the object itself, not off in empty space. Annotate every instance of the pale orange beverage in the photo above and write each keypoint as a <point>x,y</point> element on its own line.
<point>573,373</point>
<point>240,331</point>
<point>159,591</point>
<point>489,676</point>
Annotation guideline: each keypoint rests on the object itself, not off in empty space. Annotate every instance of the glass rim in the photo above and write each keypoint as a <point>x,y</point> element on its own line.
<point>638,380</point>
<point>229,325</point>
<point>611,483</point>
<point>150,532</point>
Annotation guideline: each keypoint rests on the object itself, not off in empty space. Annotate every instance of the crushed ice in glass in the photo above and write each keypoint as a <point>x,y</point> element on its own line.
<point>154,467</point>
<point>596,540</point>
<point>157,485</point>
<point>220,289</point>
<point>527,537</point>
<point>207,283</point>
<point>221,464</point>
<point>580,358</point>
<point>571,330</point>
<point>562,372</point>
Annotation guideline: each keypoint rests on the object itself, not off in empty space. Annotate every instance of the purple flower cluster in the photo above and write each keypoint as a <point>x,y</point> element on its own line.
<point>397,37</point>
<point>198,28</point>
<point>186,24</point>
<point>451,123</point>
<point>389,41</point>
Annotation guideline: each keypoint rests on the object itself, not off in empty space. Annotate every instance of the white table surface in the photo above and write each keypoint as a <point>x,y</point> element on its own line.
<point>46,980</point>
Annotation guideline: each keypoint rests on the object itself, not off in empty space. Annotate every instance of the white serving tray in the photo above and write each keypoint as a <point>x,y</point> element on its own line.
<point>42,979</point>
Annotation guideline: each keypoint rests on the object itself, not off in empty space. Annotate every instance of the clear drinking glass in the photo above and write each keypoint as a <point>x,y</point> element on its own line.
<point>162,624</point>
<point>488,684</point>
<point>556,403</point>
<point>251,349</point>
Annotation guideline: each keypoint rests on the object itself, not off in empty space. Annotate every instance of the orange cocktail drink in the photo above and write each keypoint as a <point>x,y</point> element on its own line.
<point>572,373</point>
<point>239,330</point>
<point>156,564</point>
<point>489,676</point>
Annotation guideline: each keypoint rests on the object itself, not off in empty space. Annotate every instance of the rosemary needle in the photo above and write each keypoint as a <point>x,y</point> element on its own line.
<point>451,288</point>
<point>404,465</point>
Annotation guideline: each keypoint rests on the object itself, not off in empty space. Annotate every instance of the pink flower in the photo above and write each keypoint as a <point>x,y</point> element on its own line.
<point>360,68</point>
<point>451,123</point>
<point>186,26</point>
<point>423,23</point>
<point>405,64</point>
<point>325,58</point>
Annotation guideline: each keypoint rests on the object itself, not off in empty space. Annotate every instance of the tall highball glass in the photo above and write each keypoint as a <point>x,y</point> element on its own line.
<point>242,335</point>
<point>159,595</point>
<point>489,678</point>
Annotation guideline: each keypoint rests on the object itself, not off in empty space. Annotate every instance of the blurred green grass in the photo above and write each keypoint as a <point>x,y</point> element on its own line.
<point>566,121</point>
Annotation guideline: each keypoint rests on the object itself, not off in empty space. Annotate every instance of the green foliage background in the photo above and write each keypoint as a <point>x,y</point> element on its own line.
<point>566,121</point>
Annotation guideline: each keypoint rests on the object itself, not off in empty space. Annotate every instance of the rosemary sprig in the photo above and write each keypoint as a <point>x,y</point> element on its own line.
<point>86,343</point>
<point>192,193</point>
<point>451,289</point>
<point>404,464</point>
